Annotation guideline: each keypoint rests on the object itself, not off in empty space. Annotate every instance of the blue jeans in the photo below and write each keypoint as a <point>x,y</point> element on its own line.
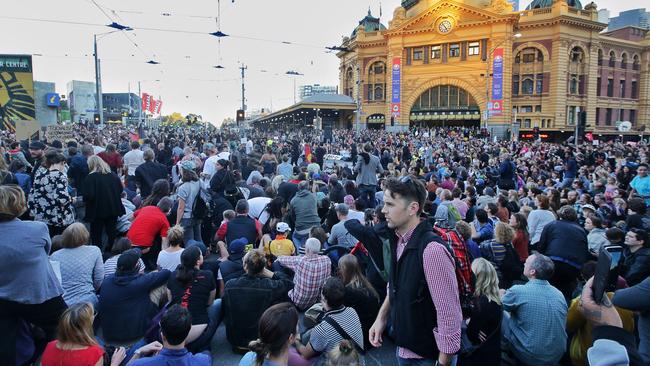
<point>192,229</point>
<point>367,194</point>
<point>129,350</point>
<point>299,240</point>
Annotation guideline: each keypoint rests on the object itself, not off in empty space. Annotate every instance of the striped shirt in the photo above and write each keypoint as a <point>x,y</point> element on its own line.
<point>324,337</point>
<point>440,274</point>
<point>111,265</point>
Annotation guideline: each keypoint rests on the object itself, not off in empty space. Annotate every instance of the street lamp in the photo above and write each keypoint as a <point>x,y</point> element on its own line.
<point>294,73</point>
<point>98,76</point>
<point>487,75</point>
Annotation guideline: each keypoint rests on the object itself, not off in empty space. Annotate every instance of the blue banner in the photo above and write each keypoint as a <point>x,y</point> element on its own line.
<point>396,98</point>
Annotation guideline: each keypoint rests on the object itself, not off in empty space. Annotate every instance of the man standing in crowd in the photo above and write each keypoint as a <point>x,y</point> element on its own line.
<point>533,325</point>
<point>640,184</point>
<point>149,172</point>
<point>36,149</point>
<point>132,161</point>
<point>367,168</point>
<point>425,327</point>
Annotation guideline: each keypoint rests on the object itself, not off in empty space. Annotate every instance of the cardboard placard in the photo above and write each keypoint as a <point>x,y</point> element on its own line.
<point>62,133</point>
<point>27,130</point>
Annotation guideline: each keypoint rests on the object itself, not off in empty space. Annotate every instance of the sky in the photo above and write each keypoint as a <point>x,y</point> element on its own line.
<point>185,79</point>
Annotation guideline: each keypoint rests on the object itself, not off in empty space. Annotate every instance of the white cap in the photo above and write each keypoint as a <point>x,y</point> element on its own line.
<point>282,227</point>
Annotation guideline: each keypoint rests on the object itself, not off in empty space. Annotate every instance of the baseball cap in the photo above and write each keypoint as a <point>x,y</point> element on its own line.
<point>128,260</point>
<point>282,227</point>
<point>36,145</point>
<point>238,245</point>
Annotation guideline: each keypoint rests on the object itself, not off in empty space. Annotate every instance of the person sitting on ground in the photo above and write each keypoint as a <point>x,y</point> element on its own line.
<point>75,343</point>
<point>240,226</point>
<point>533,328</point>
<point>277,333</point>
<point>311,271</point>
<point>245,298</point>
<point>232,265</point>
<point>326,335</point>
<point>148,231</point>
<point>175,325</point>
<point>280,245</point>
<point>635,263</point>
<point>195,290</point>
<point>484,324</point>
<point>596,239</point>
<point>343,355</point>
<point>128,302</point>
<point>359,293</point>
<point>82,269</point>
<point>495,249</point>
<point>339,235</point>
<point>482,228</point>
<point>465,231</point>
<point>121,245</point>
<point>170,257</point>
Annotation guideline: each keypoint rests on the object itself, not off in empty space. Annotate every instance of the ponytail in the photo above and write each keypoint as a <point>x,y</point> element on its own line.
<point>261,351</point>
<point>186,271</point>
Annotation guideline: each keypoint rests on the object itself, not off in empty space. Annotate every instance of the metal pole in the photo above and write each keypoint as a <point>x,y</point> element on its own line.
<point>487,89</point>
<point>243,88</point>
<point>358,114</point>
<point>576,113</point>
<point>139,106</point>
<point>98,84</point>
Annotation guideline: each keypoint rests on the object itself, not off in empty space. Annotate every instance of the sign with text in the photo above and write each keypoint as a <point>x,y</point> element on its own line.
<point>496,104</point>
<point>62,133</point>
<point>53,99</point>
<point>396,99</point>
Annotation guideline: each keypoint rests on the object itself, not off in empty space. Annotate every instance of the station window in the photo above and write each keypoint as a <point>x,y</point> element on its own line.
<point>454,50</point>
<point>436,52</point>
<point>473,48</point>
<point>418,54</point>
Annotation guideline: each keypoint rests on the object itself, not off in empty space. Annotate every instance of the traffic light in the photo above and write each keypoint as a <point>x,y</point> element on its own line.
<point>96,118</point>
<point>240,116</point>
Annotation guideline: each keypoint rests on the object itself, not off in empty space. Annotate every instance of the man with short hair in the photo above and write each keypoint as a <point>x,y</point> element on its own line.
<point>210,165</point>
<point>36,151</point>
<point>423,292</point>
<point>241,226</point>
<point>311,271</point>
<point>640,184</point>
<point>339,235</point>
<point>533,327</point>
<point>303,209</point>
<point>149,172</point>
<point>367,167</point>
<point>175,325</point>
<point>132,161</point>
<point>285,168</point>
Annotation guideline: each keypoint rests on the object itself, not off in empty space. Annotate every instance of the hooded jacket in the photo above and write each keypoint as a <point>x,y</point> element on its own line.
<point>125,310</point>
<point>304,210</point>
<point>367,168</point>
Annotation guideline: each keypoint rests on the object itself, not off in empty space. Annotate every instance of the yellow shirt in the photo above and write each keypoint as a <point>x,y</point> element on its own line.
<point>280,246</point>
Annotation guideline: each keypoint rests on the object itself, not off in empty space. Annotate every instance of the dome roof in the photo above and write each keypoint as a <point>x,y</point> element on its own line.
<point>536,4</point>
<point>370,24</point>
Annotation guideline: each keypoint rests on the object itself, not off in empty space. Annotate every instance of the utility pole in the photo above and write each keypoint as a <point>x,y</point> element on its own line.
<point>357,121</point>
<point>243,88</point>
<point>140,106</point>
<point>98,85</point>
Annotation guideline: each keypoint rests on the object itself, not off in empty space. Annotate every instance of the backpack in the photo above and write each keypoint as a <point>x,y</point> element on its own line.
<point>453,216</point>
<point>464,275</point>
<point>510,267</point>
<point>199,207</point>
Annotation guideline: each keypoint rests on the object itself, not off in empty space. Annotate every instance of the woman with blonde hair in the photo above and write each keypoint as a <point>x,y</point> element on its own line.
<point>170,257</point>
<point>343,355</point>
<point>481,344</point>
<point>75,343</point>
<point>82,268</point>
<point>102,193</point>
<point>496,251</point>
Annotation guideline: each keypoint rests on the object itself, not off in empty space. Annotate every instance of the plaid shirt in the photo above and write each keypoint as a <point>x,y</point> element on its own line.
<point>311,271</point>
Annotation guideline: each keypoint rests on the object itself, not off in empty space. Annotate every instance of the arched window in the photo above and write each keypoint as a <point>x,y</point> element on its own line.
<point>612,59</point>
<point>577,55</point>
<point>624,60</point>
<point>445,97</point>
<point>376,81</point>
<point>349,82</point>
<point>635,62</point>
<point>600,57</point>
<point>527,86</point>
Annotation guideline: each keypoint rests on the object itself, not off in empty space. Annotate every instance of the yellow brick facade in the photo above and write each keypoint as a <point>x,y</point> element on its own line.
<point>559,52</point>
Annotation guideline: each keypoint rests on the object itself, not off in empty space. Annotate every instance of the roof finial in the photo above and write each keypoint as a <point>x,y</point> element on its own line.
<point>369,13</point>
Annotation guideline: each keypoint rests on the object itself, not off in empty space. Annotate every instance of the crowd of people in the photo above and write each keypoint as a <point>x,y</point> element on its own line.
<point>122,247</point>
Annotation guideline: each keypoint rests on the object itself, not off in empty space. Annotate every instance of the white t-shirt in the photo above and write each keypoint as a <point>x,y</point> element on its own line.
<point>209,167</point>
<point>255,207</point>
<point>249,146</point>
<point>170,261</point>
<point>225,155</point>
<point>133,159</point>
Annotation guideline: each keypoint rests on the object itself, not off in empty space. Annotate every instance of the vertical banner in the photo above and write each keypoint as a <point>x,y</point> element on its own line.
<point>146,101</point>
<point>16,91</point>
<point>158,106</point>
<point>496,104</point>
<point>396,100</point>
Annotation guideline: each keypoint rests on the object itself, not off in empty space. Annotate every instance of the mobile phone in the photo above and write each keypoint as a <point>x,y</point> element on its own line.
<point>601,276</point>
<point>616,252</point>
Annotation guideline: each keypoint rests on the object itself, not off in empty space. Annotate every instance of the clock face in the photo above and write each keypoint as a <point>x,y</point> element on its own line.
<point>444,26</point>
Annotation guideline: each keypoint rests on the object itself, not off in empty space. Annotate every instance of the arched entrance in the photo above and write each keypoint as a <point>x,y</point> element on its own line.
<point>445,105</point>
<point>376,121</point>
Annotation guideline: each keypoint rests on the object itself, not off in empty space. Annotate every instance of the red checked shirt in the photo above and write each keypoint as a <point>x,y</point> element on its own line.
<point>439,271</point>
<point>311,272</point>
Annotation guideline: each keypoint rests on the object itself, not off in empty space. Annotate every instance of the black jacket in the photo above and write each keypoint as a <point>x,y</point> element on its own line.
<point>103,196</point>
<point>635,267</point>
<point>245,299</point>
<point>147,173</point>
<point>373,239</point>
<point>565,241</point>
